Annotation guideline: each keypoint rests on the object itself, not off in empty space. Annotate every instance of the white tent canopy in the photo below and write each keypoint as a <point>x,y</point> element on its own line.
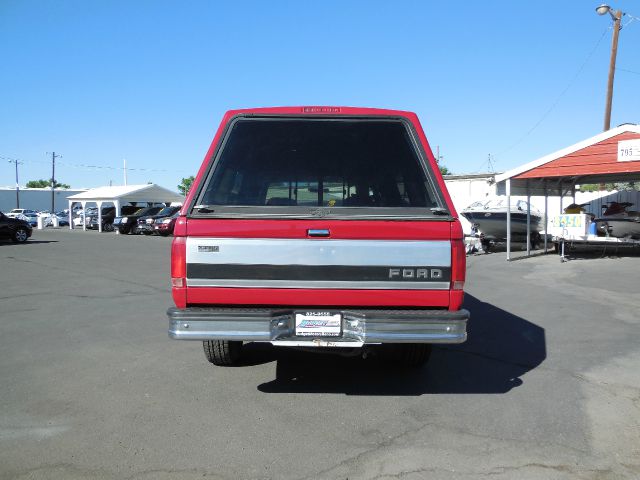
<point>121,195</point>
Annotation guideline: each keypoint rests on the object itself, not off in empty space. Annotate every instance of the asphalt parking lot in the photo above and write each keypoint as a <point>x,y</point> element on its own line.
<point>546,387</point>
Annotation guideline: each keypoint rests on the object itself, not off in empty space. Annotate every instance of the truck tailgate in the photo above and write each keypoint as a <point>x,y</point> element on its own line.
<point>318,262</point>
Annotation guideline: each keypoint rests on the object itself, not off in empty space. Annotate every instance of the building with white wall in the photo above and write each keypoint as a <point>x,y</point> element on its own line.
<point>36,198</point>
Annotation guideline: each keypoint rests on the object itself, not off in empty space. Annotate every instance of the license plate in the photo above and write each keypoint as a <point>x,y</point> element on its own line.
<point>318,324</point>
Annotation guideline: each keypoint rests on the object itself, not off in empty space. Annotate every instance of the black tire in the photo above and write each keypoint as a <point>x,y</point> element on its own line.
<point>123,230</point>
<point>20,235</point>
<point>223,353</point>
<point>108,227</point>
<point>411,355</point>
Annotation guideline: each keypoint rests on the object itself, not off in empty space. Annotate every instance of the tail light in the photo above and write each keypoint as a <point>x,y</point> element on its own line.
<point>458,264</point>
<point>179,271</point>
<point>458,267</point>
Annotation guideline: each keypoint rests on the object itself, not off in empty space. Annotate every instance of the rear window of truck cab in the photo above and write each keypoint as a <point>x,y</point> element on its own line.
<point>302,166</point>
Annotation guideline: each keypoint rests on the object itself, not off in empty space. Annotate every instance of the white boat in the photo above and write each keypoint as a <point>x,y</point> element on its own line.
<point>489,218</point>
<point>618,221</point>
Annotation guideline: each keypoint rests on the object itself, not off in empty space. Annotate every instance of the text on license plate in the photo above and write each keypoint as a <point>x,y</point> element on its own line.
<point>318,324</point>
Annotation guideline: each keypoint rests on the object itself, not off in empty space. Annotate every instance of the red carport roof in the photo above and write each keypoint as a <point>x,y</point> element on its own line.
<point>590,161</point>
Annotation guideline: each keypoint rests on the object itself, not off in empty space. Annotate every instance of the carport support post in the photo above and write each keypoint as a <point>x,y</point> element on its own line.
<point>84,216</point>
<point>70,215</point>
<point>529,245</point>
<point>546,214</point>
<point>117,204</point>
<point>508,189</point>
<point>99,216</point>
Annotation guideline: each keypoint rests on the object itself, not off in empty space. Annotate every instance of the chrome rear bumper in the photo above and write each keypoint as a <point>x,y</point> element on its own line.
<point>360,326</point>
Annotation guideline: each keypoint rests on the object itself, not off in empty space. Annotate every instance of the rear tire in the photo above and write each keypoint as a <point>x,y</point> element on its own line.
<point>223,353</point>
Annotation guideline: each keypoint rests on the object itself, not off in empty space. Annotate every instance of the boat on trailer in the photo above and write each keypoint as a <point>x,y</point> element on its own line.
<point>618,221</point>
<point>489,219</point>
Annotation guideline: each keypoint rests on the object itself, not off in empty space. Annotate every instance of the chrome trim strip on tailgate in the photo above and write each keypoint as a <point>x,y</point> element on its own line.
<point>250,251</point>
<point>363,285</point>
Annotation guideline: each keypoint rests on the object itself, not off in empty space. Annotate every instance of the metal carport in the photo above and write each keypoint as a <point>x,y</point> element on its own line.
<point>119,195</point>
<point>611,156</point>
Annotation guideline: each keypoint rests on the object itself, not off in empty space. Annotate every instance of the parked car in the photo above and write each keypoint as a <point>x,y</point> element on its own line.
<point>129,223</point>
<point>32,218</point>
<point>107,214</point>
<point>63,218</point>
<point>146,223</point>
<point>164,226</point>
<point>79,220</point>
<point>20,211</point>
<point>47,218</point>
<point>15,229</point>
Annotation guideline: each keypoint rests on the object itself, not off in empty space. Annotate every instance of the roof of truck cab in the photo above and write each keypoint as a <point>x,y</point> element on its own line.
<point>321,110</point>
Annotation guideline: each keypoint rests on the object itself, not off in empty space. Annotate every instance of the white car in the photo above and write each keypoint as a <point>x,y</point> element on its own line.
<point>20,211</point>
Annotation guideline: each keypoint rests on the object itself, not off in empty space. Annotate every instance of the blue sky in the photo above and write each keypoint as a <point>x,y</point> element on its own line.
<point>99,81</point>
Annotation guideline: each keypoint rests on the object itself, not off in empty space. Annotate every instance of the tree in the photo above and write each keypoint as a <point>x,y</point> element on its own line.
<point>45,184</point>
<point>444,170</point>
<point>185,185</point>
<point>597,187</point>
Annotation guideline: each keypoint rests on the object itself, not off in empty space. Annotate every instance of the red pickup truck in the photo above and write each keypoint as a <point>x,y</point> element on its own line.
<point>326,227</point>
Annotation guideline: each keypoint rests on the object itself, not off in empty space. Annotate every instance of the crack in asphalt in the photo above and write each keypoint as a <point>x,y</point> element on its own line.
<point>460,431</point>
<point>404,473</point>
<point>563,468</point>
<point>68,469</point>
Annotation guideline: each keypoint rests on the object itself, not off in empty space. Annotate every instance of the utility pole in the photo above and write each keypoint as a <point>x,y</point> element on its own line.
<point>17,162</point>
<point>616,16</point>
<point>612,68</point>
<point>124,168</point>
<point>438,157</point>
<point>53,179</point>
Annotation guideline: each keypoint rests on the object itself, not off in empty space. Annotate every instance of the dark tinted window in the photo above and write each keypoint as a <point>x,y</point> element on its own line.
<point>129,210</point>
<point>319,163</point>
<point>148,211</point>
<point>167,211</point>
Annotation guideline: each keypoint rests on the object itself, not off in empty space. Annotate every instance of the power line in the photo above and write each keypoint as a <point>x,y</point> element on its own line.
<point>94,167</point>
<point>555,103</point>
<point>628,71</point>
